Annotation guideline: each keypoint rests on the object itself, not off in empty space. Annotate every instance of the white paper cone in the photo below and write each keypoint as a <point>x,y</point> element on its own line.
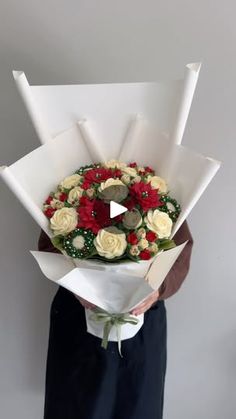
<point>31,106</point>
<point>25,199</point>
<point>109,108</point>
<point>188,89</point>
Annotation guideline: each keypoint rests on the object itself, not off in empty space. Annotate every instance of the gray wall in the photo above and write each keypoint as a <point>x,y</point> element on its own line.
<point>86,41</point>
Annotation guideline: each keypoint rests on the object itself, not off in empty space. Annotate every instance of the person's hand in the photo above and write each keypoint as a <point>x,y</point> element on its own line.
<point>85,303</point>
<point>146,304</point>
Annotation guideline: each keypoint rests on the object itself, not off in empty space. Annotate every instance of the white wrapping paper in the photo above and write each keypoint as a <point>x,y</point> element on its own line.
<point>110,107</point>
<point>115,289</point>
<point>130,121</point>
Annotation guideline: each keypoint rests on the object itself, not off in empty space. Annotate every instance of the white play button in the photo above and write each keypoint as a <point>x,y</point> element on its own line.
<point>116,209</point>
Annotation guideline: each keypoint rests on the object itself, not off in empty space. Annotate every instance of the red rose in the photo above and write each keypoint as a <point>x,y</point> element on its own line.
<point>49,212</point>
<point>134,164</point>
<point>145,254</point>
<point>49,200</point>
<point>132,238</point>
<point>151,236</point>
<point>148,169</point>
<point>145,196</point>
<point>63,196</point>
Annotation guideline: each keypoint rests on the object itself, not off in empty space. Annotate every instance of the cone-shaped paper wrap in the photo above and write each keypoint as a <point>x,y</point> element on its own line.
<point>187,173</point>
<point>109,108</point>
<point>115,289</point>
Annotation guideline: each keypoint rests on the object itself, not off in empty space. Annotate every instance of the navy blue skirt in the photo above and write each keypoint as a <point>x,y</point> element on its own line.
<point>85,381</point>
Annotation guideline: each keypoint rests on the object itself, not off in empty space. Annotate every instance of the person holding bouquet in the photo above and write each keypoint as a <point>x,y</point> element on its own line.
<point>84,381</point>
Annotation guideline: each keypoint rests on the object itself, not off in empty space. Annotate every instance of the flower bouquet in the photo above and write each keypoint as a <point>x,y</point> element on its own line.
<point>80,219</point>
<point>113,262</point>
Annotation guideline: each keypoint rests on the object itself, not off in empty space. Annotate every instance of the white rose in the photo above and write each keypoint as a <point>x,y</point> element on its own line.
<point>114,164</point>
<point>125,179</point>
<point>110,182</point>
<point>131,171</point>
<point>64,220</point>
<point>158,183</point>
<point>75,194</point>
<point>159,222</point>
<point>110,242</point>
<point>70,181</point>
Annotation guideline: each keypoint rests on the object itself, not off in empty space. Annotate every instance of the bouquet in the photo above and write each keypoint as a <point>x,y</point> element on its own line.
<point>75,214</point>
<point>81,223</point>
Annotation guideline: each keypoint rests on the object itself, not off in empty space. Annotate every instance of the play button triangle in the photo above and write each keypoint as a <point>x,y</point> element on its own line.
<point>116,209</point>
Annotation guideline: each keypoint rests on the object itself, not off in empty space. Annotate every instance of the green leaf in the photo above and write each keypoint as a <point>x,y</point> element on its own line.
<point>166,244</point>
<point>57,242</point>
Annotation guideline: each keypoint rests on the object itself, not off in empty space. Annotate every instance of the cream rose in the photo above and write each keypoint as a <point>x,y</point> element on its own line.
<point>131,171</point>
<point>75,194</point>
<point>125,179</point>
<point>64,221</point>
<point>110,242</point>
<point>110,182</point>
<point>159,222</point>
<point>158,183</point>
<point>114,164</point>
<point>70,181</point>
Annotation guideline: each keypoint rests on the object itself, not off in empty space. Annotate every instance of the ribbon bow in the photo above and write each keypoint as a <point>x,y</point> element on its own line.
<point>110,320</point>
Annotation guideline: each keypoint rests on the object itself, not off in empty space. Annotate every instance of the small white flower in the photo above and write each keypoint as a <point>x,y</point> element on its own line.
<point>78,242</point>
<point>143,244</point>
<point>141,233</point>
<point>134,250</point>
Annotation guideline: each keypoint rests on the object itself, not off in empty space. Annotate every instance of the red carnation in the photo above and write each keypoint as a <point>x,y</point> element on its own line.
<point>145,254</point>
<point>63,196</point>
<point>145,196</point>
<point>151,236</point>
<point>132,238</point>
<point>49,212</point>
<point>85,185</point>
